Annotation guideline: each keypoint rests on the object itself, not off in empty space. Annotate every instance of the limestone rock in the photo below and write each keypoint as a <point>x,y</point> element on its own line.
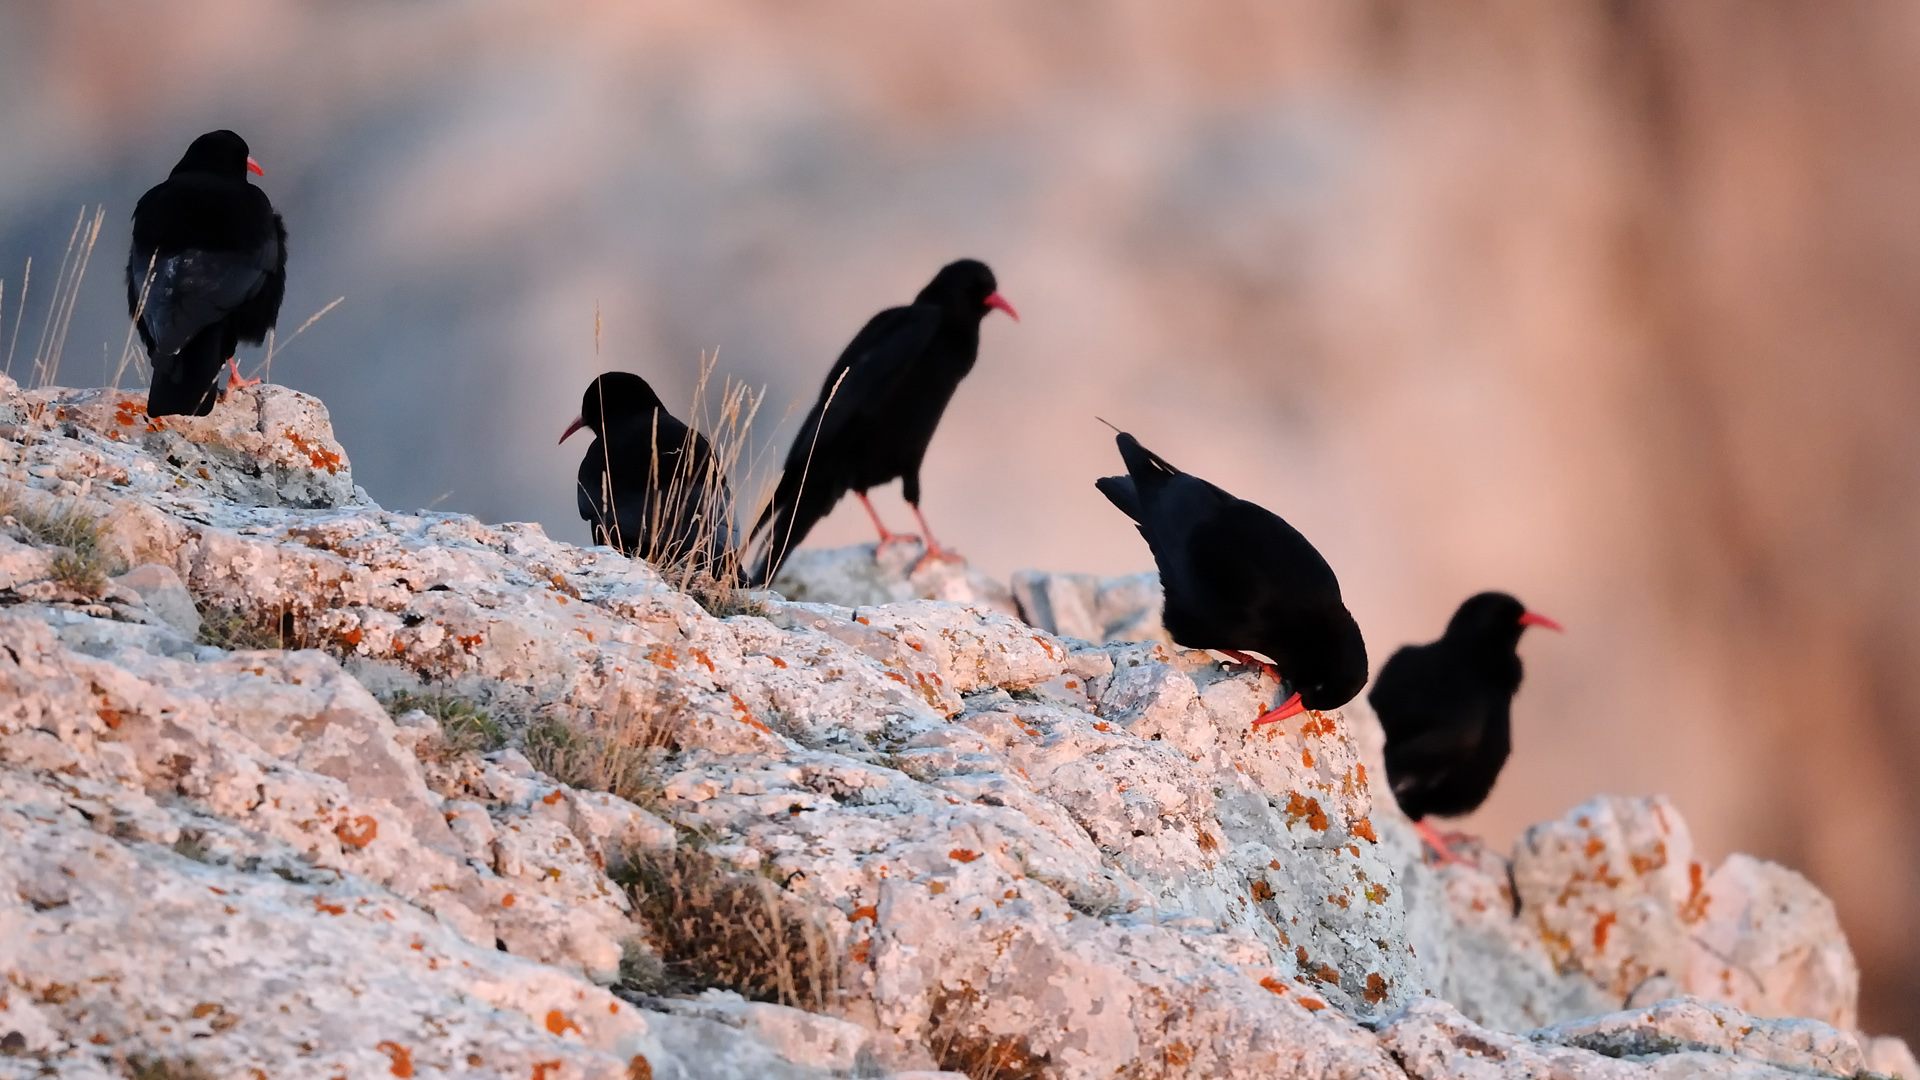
<point>165,595</point>
<point>1090,607</point>
<point>860,576</point>
<point>1029,853</point>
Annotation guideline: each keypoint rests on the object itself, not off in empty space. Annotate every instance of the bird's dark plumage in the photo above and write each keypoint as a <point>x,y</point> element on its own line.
<point>209,258</point>
<point>878,407</point>
<point>650,485</point>
<point>1445,707</point>
<point>1239,578</point>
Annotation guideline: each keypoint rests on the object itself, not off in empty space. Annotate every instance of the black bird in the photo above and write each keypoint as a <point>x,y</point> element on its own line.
<point>207,271</point>
<point>1239,579</point>
<point>650,485</point>
<point>877,411</point>
<point>1445,709</point>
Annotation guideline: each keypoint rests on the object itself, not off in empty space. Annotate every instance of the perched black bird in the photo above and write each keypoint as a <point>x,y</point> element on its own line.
<point>1239,579</point>
<point>877,411</point>
<point>650,485</point>
<point>1444,707</point>
<point>207,271</point>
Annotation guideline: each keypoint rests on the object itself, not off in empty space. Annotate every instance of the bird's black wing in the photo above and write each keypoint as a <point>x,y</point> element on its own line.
<point>191,290</point>
<point>875,361</point>
<point>1247,550</point>
<point>871,364</point>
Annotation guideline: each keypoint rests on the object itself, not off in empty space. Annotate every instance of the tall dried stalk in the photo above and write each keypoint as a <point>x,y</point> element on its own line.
<point>264,369</point>
<point>66,294</point>
<point>128,354</point>
<point>20,313</point>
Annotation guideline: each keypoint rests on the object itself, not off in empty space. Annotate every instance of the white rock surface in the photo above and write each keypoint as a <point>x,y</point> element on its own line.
<point>1035,855</point>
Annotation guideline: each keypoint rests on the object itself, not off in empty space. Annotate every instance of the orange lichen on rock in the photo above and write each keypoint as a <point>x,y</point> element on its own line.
<point>1306,807</point>
<point>962,855</point>
<point>357,833</point>
<point>1600,928</point>
<point>399,1057</point>
<point>1376,991</point>
<point>560,1023</point>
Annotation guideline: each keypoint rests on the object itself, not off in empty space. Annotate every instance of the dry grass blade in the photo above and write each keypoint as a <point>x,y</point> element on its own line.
<point>20,313</point>
<point>274,348</point>
<point>66,294</point>
<point>128,354</point>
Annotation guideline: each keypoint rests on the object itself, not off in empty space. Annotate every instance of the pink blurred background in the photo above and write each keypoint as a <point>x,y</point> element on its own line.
<point>1608,303</point>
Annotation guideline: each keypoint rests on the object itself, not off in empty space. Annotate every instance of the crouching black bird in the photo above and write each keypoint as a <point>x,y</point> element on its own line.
<point>207,271</point>
<point>1239,579</point>
<point>877,412</point>
<point>650,485</point>
<point>1445,709</point>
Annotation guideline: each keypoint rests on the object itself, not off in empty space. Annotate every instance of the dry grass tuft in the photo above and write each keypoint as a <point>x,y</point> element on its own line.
<point>620,752</point>
<point>465,728</point>
<point>241,630</point>
<point>85,564</point>
<point>958,1045</point>
<point>705,563</point>
<point>715,926</point>
<point>145,1068</point>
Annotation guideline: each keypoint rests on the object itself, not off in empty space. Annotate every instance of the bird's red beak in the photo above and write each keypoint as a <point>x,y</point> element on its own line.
<point>578,423</point>
<point>997,301</point>
<point>1534,618</point>
<point>254,168</point>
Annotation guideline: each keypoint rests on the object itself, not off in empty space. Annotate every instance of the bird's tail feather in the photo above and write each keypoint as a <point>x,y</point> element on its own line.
<point>188,383</point>
<point>1120,491</point>
<point>787,520</point>
<point>1143,464</point>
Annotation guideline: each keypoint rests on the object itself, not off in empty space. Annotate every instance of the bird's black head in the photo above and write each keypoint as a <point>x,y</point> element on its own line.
<point>1328,661</point>
<point>219,153</point>
<point>1495,620</point>
<point>611,398</point>
<point>966,287</point>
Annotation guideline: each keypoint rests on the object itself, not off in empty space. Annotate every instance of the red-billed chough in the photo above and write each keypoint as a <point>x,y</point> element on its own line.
<point>877,411</point>
<point>649,485</point>
<point>1239,579</point>
<point>1445,709</point>
<point>207,271</point>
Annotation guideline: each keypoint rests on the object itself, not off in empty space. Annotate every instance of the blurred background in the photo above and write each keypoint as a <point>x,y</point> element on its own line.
<point>1611,304</point>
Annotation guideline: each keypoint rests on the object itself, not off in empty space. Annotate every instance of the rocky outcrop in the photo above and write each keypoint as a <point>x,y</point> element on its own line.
<point>959,840</point>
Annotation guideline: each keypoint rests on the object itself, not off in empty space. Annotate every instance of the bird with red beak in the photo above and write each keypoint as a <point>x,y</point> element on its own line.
<point>1446,710</point>
<point>876,414</point>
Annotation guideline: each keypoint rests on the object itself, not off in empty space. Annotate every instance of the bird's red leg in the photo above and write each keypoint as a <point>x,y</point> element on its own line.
<point>1438,843</point>
<point>234,381</point>
<point>885,536</point>
<point>935,553</point>
<point>1239,657</point>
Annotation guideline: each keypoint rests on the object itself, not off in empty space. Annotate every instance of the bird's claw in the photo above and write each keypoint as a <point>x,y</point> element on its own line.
<point>1441,844</point>
<point>889,539</point>
<point>234,380</point>
<point>935,554</point>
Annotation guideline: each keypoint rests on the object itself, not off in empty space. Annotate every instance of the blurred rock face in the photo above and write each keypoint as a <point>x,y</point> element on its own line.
<point>1601,304</point>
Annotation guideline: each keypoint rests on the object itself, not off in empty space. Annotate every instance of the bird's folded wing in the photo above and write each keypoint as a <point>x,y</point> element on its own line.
<point>877,358</point>
<point>191,290</point>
